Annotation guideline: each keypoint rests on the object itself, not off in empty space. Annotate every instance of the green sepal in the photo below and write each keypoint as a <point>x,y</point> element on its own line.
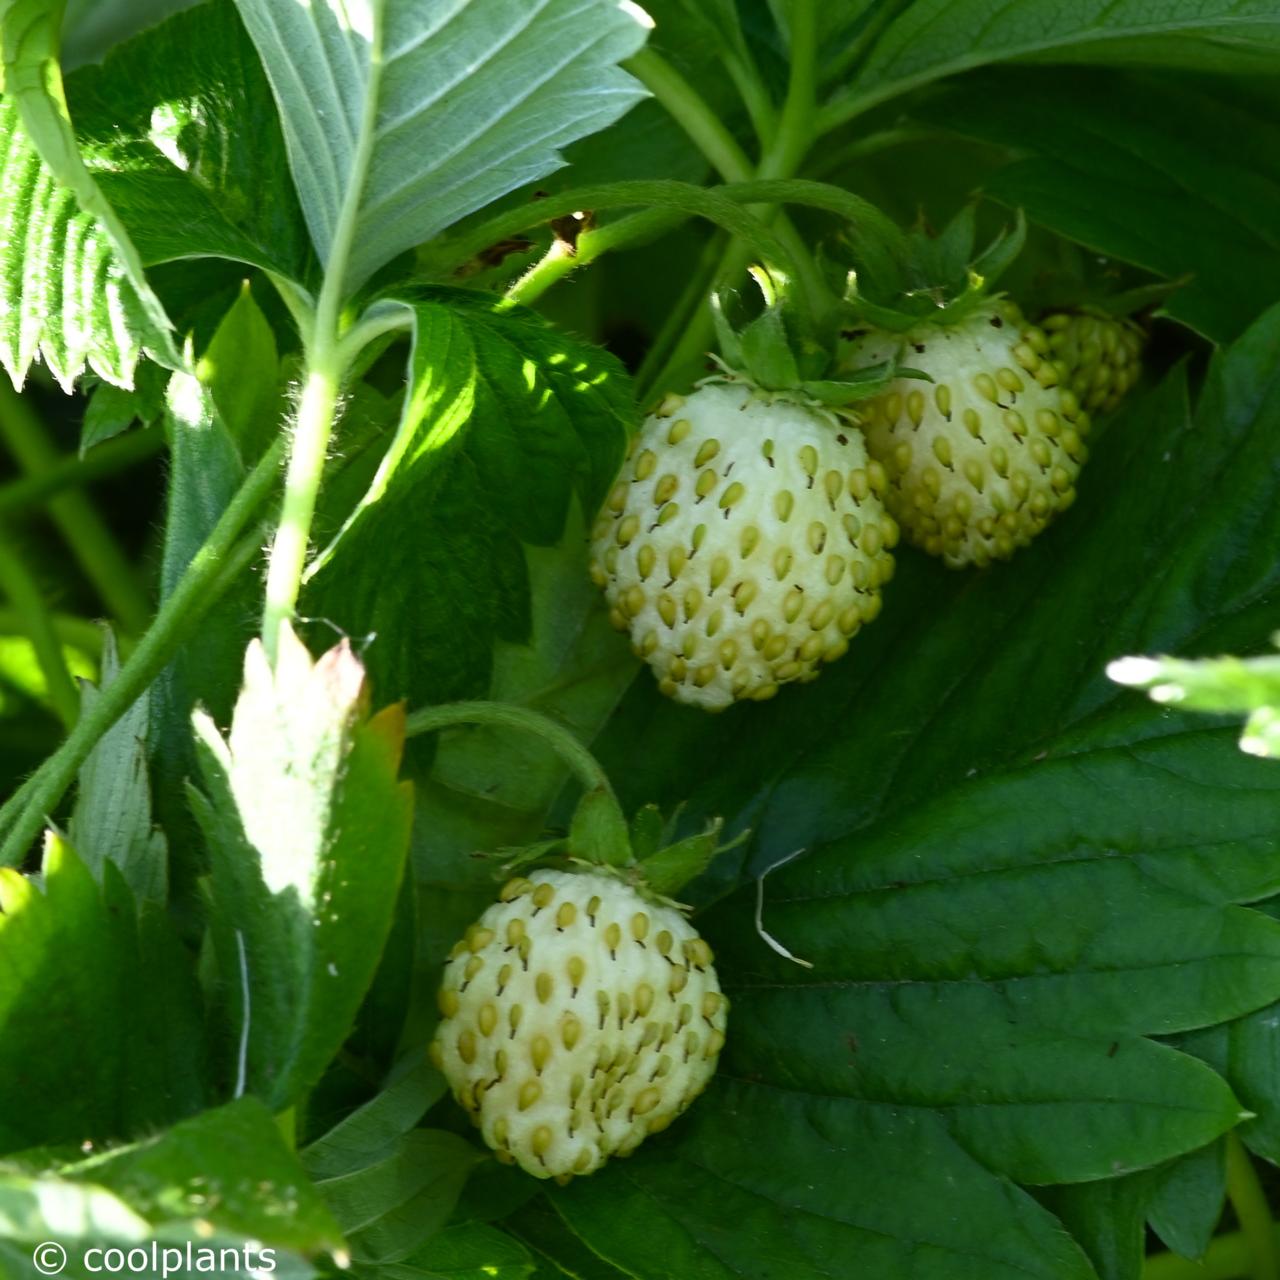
<point>598,832</point>
<point>514,858</point>
<point>860,385</point>
<point>647,830</point>
<point>666,872</point>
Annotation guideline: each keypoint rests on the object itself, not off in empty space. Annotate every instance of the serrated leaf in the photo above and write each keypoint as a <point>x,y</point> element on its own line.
<point>402,118</point>
<point>1099,852</point>
<point>112,410</point>
<point>29,36</point>
<point>300,908</point>
<point>65,296</point>
<point>112,819</point>
<point>79,966</point>
<point>506,423</point>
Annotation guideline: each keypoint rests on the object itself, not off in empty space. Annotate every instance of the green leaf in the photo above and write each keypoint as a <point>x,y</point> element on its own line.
<point>1017,874</point>
<point>241,368</point>
<point>79,966</point>
<point>1108,1218</point>
<point>180,130</point>
<point>112,410</point>
<point>39,126</point>
<point>205,471</point>
<point>392,1204</point>
<point>506,423</point>
<point>468,1251</point>
<point>1186,1199</point>
<point>47,243</point>
<point>934,38</point>
<point>300,911</point>
<point>401,118</point>
<point>112,819</point>
<point>544,1231</point>
<point>371,1130</point>
<point>228,1167</point>
<point>1177,203</point>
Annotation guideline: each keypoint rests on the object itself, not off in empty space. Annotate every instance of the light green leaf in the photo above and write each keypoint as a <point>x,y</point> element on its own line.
<point>65,295</point>
<point>112,819</point>
<point>29,37</point>
<point>402,116</point>
<point>300,909</point>
<point>228,1167</point>
<point>1214,684</point>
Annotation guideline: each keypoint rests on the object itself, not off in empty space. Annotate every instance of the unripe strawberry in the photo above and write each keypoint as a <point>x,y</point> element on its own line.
<point>1103,355</point>
<point>744,544</point>
<point>578,1018</point>
<point>983,456</point>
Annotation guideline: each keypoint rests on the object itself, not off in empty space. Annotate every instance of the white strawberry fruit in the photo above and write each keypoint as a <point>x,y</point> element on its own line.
<point>1100,355</point>
<point>983,456</point>
<point>745,542</point>
<point>578,1018</point>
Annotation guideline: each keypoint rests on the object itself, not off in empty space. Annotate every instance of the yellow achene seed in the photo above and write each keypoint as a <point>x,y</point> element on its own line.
<point>530,1094</point>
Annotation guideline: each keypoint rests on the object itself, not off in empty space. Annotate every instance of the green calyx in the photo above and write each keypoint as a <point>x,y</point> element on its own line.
<point>787,353</point>
<point>935,279</point>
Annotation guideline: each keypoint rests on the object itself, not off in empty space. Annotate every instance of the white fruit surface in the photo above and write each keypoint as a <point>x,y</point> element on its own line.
<point>744,543</point>
<point>981,458</point>
<point>578,1019</point>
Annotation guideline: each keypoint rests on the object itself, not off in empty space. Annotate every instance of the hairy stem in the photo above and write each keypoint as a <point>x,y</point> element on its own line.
<point>502,715</point>
<point>210,574</point>
<point>91,541</point>
<point>20,586</point>
<point>1250,1204</point>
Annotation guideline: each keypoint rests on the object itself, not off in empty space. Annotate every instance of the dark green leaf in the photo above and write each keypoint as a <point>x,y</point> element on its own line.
<point>1017,873</point>
<point>1177,202</point>
<point>113,409</point>
<point>392,1204</point>
<point>505,424</point>
<point>78,968</point>
<point>181,132</point>
<point>469,1251</point>
<point>371,1130</point>
<point>1107,1218</point>
<point>300,911</point>
<point>1186,1199</point>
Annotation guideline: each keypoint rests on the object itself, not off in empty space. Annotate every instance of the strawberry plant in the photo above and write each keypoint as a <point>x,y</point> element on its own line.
<point>577,580</point>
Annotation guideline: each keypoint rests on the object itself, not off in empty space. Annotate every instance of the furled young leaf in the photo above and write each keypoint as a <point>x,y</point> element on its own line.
<point>29,40</point>
<point>47,243</point>
<point>100,1022</point>
<point>402,116</point>
<point>307,828</point>
<point>934,38</point>
<point>1017,874</point>
<point>1177,202</point>
<point>112,820</point>
<point>180,130</point>
<point>241,368</point>
<point>505,423</point>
